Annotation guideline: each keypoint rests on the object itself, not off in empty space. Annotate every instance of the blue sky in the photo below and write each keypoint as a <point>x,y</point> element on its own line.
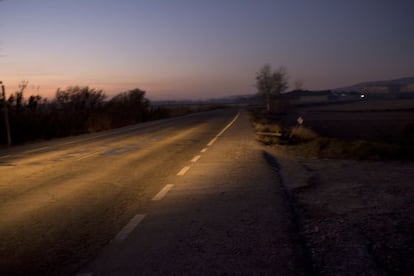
<point>200,49</point>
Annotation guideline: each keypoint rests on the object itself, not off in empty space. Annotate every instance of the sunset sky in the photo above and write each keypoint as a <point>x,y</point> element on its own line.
<point>176,49</point>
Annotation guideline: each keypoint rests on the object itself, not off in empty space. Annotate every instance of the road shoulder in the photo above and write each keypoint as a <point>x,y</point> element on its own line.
<point>355,216</point>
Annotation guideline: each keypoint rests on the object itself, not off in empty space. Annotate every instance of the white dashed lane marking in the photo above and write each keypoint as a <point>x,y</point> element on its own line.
<point>183,171</point>
<point>195,159</point>
<point>212,141</point>
<point>123,234</point>
<point>163,192</point>
<point>204,150</point>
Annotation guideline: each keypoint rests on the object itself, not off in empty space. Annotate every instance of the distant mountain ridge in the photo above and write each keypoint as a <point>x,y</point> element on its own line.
<point>401,85</point>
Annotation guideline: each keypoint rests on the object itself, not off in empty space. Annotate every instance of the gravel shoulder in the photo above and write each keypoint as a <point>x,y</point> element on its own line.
<point>356,217</point>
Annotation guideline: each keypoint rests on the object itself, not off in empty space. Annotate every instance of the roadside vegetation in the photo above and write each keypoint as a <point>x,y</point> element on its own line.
<point>355,218</point>
<point>344,205</point>
<point>77,110</point>
<point>276,125</point>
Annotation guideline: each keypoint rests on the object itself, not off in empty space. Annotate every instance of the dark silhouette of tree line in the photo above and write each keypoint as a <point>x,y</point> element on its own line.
<point>74,110</point>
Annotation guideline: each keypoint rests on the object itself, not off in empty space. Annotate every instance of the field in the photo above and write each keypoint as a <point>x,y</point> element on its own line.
<point>386,120</point>
<point>369,130</point>
<point>368,105</point>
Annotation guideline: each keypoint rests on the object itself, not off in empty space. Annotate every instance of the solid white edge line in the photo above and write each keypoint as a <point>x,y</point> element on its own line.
<point>195,159</point>
<point>229,125</point>
<point>163,192</point>
<point>183,171</point>
<point>123,234</point>
<point>223,130</point>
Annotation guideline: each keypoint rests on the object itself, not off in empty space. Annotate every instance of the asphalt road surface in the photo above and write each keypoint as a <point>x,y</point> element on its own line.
<point>187,196</point>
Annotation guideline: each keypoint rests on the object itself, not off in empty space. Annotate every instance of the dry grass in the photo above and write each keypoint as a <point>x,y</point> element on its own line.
<point>263,127</point>
<point>302,134</point>
<point>304,141</point>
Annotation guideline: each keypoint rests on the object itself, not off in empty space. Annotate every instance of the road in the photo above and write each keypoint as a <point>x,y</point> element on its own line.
<point>189,195</point>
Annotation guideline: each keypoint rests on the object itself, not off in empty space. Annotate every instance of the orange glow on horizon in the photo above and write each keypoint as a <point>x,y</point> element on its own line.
<point>185,87</point>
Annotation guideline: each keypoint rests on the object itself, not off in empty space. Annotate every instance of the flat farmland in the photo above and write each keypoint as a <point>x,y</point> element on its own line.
<point>388,121</point>
<point>367,105</point>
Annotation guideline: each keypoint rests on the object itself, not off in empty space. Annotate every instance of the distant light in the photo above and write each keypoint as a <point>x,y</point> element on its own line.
<point>362,96</point>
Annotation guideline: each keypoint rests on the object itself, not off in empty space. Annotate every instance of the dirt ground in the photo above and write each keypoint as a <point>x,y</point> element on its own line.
<point>356,217</point>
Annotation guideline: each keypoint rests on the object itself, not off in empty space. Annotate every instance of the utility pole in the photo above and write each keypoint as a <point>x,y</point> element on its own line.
<point>6,115</point>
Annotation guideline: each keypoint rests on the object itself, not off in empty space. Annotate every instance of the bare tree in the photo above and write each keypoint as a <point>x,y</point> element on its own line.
<point>271,83</point>
<point>80,98</point>
<point>20,94</point>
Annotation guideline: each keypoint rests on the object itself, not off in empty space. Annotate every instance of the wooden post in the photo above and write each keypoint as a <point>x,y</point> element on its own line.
<point>6,115</point>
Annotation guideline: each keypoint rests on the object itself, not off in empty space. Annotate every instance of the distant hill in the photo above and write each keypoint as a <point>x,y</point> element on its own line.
<point>396,86</point>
